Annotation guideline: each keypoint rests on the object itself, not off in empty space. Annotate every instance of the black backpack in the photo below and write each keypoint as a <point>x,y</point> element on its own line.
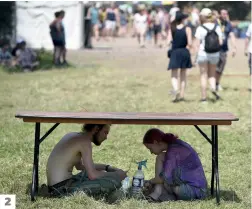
<point>212,43</point>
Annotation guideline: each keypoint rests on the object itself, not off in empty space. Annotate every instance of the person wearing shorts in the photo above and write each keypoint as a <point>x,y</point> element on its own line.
<point>140,25</point>
<point>157,28</point>
<point>227,31</point>
<point>94,15</point>
<point>207,61</point>
<point>110,22</point>
<point>56,35</point>
<point>248,50</point>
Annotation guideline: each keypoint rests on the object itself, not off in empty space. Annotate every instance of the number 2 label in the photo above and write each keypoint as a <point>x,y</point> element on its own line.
<point>7,201</point>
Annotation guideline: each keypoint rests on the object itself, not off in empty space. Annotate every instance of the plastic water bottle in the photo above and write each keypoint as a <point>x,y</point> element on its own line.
<point>138,180</point>
<point>125,184</point>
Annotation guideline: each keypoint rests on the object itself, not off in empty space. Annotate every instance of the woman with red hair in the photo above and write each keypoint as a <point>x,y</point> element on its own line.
<point>179,174</point>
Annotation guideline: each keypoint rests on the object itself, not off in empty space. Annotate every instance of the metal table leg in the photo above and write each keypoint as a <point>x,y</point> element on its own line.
<point>34,188</point>
<point>213,160</point>
<point>35,174</point>
<point>215,169</point>
<point>216,165</point>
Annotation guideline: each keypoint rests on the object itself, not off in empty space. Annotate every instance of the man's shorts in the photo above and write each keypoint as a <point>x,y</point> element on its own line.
<point>110,25</point>
<point>103,186</point>
<point>157,29</point>
<point>59,43</point>
<point>250,63</point>
<point>222,62</point>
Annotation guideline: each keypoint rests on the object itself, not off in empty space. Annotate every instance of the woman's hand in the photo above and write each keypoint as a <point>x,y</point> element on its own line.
<point>148,184</point>
<point>147,188</point>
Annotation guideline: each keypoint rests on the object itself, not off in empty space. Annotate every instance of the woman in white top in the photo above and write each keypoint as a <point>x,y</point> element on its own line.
<point>140,24</point>
<point>207,61</point>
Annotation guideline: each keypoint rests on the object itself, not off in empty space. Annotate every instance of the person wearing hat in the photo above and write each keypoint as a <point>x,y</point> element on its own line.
<point>207,61</point>
<point>180,38</point>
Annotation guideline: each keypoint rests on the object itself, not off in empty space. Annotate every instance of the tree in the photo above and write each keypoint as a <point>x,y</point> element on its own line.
<point>238,10</point>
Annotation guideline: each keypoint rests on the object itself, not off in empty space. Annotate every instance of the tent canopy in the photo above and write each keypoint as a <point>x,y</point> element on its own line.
<point>34,17</point>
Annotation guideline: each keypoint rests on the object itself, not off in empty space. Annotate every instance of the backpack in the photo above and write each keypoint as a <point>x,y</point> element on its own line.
<point>212,43</point>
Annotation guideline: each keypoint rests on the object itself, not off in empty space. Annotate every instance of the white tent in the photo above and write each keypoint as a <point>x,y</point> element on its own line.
<point>34,17</point>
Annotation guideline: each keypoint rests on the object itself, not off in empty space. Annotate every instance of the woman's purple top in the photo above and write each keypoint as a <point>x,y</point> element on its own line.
<point>181,155</point>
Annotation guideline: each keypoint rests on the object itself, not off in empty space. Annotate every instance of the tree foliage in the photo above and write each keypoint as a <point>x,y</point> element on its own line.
<point>238,10</point>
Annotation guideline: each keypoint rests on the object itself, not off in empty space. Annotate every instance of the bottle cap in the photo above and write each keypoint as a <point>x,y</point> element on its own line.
<point>141,163</point>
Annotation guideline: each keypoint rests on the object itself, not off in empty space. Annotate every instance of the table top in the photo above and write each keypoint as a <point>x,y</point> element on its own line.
<point>151,118</point>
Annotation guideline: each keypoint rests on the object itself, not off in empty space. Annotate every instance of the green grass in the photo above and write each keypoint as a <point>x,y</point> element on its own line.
<point>116,87</point>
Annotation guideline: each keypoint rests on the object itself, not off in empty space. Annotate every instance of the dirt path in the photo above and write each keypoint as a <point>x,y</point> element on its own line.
<point>125,53</point>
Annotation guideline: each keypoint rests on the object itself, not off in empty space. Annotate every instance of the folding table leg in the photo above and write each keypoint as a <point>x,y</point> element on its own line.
<point>35,182</point>
<point>216,165</point>
<point>213,160</point>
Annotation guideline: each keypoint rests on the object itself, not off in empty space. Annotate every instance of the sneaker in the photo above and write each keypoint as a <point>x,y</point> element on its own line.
<point>217,96</point>
<point>177,98</point>
<point>172,92</point>
<point>203,100</point>
<point>219,87</point>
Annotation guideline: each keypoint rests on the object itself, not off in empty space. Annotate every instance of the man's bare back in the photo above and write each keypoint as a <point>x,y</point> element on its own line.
<point>65,155</point>
<point>75,150</point>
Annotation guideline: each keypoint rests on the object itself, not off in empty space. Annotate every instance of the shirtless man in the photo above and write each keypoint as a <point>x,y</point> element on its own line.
<point>158,21</point>
<point>75,150</point>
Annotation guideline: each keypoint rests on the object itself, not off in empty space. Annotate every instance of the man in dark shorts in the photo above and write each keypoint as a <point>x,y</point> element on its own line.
<point>157,27</point>
<point>57,33</point>
<point>227,31</point>
<point>75,150</point>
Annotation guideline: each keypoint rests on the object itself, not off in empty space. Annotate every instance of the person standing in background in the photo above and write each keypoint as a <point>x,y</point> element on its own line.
<point>172,13</point>
<point>248,50</point>
<point>94,15</point>
<point>157,28</point>
<point>227,31</point>
<point>216,17</point>
<point>194,19</point>
<point>102,16</point>
<point>63,48</point>
<point>88,28</point>
<point>111,20</point>
<point>149,33</point>
<point>180,36</point>
<point>207,60</point>
<point>140,25</point>
<point>123,23</point>
<point>56,35</point>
